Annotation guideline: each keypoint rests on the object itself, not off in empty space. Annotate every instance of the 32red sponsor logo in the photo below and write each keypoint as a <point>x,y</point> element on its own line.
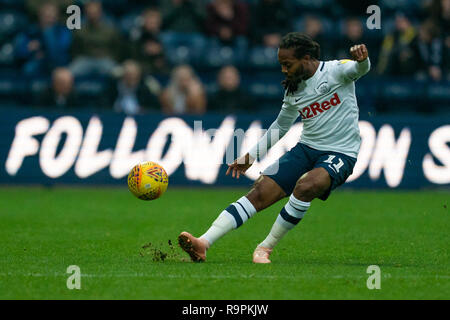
<point>319,107</point>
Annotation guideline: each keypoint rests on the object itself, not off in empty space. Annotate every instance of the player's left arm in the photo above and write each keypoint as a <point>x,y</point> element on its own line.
<point>286,118</point>
<point>359,52</point>
<point>359,66</point>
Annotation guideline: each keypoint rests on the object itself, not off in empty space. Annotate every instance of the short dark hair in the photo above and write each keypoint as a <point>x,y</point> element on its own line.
<point>302,43</point>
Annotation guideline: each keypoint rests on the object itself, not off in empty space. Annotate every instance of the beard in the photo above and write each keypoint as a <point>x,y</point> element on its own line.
<point>291,84</point>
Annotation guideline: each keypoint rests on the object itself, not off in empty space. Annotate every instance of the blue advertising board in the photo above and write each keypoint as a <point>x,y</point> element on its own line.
<point>83,148</point>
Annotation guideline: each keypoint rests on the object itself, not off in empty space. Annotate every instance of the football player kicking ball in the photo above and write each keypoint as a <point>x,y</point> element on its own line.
<point>323,94</point>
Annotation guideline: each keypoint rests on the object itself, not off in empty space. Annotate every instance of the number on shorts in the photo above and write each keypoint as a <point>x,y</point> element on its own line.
<point>336,166</point>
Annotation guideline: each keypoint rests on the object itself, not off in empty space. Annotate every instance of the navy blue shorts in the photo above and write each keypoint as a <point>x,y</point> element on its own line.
<point>301,159</point>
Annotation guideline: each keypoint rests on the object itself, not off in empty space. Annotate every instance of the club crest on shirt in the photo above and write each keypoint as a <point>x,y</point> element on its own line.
<point>323,88</point>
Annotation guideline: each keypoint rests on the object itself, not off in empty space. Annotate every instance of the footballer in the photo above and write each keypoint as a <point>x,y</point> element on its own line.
<point>322,93</point>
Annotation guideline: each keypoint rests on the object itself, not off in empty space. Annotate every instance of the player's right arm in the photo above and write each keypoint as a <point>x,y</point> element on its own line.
<point>276,131</point>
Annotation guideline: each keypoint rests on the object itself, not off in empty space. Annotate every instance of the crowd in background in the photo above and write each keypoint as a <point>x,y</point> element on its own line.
<point>160,55</point>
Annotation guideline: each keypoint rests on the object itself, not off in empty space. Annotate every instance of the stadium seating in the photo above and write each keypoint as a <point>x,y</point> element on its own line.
<point>258,65</point>
<point>11,22</point>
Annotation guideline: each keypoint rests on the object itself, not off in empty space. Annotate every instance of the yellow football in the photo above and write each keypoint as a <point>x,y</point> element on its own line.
<point>148,180</point>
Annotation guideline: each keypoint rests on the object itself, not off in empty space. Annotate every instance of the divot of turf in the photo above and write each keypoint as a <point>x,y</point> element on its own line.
<point>161,252</point>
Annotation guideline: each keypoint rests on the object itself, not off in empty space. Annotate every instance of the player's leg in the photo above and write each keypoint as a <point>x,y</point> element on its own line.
<point>311,185</point>
<point>330,171</point>
<point>264,193</point>
<point>277,181</point>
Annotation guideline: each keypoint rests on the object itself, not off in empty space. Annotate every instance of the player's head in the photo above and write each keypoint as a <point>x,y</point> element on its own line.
<point>296,53</point>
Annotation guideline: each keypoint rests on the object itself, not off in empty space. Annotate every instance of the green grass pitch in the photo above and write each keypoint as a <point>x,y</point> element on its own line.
<point>103,230</point>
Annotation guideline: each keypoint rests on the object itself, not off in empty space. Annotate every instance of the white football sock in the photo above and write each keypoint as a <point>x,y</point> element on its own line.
<point>231,218</point>
<point>288,218</point>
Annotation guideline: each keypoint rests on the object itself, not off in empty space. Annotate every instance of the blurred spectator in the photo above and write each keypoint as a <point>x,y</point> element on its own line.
<point>209,34</point>
<point>314,28</point>
<point>230,98</point>
<point>227,25</point>
<point>429,49</point>
<point>131,94</point>
<point>184,94</point>
<point>184,16</point>
<point>147,47</point>
<point>97,46</point>
<point>440,13</point>
<point>353,34</point>
<point>44,46</point>
<point>183,29</point>
<point>33,6</point>
<point>227,19</point>
<point>61,94</point>
<point>397,55</point>
<point>350,7</point>
<point>270,20</point>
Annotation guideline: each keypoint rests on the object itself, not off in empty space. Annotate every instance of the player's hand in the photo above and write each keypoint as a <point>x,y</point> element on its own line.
<point>359,52</point>
<point>240,165</point>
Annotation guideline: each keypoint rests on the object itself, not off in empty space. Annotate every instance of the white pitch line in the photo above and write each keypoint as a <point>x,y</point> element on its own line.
<point>177,276</point>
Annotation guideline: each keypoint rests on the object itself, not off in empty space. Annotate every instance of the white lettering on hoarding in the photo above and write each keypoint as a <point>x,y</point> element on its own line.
<point>390,155</point>
<point>124,158</point>
<point>368,138</point>
<point>289,140</point>
<point>437,142</point>
<point>251,137</point>
<point>90,160</point>
<point>254,133</point>
<point>24,145</point>
<point>180,134</point>
<point>54,165</point>
<point>202,152</point>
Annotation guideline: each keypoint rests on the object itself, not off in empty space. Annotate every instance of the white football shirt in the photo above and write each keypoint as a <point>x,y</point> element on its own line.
<point>327,105</point>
